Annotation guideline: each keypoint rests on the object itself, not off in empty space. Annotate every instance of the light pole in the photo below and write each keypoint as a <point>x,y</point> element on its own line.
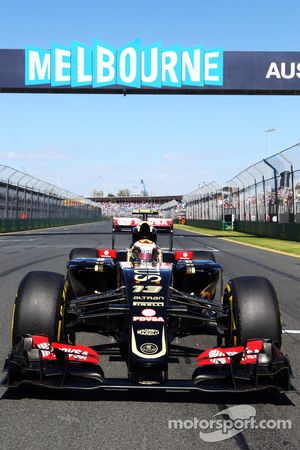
<point>269,131</point>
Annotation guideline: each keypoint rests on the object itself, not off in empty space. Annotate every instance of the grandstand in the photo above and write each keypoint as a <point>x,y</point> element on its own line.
<point>122,206</point>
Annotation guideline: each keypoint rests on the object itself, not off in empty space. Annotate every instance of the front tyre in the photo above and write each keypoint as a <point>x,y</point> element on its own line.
<point>203,255</point>
<point>38,308</point>
<point>83,252</point>
<point>254,310</point>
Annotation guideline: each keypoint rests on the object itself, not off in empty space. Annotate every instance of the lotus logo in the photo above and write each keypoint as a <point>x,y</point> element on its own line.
<point>148,348</point>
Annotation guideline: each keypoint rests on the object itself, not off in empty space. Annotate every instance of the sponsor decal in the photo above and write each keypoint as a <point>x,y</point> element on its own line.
<point>148,297</point>
<point>75,352</point>
<point>148,304</point>
<point>183,255</point>
<point>147,319</point>
<point>217,357</point>
<point>105,253</point>
<point>149,348</point>
<point>126,221</point>
<point>223,355</point>
<point>132,65</point>
<point>160,222</point>
<point>147,332</point>
<point>142,275</point>
<point>148,312</point>
<point>146,350</point>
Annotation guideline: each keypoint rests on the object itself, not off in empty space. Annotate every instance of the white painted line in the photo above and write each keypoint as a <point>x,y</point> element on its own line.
<point>19,240</point>
<point>212,249</point>
<point>291,331</point>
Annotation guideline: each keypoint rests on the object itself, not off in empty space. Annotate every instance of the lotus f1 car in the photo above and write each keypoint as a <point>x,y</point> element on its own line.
<point>146,300</point>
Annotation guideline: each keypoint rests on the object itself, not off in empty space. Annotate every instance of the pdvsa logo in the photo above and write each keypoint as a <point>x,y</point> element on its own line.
<point>132,65</point>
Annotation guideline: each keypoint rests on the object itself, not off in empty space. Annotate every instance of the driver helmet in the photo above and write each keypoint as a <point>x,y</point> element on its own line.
<point>144,231</point>
<point>145,250</point>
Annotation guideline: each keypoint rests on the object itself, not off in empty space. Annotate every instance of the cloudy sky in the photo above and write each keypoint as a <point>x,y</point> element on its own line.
<point>173,143</point>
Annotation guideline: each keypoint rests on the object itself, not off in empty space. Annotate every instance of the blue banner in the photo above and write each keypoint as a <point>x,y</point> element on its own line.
<point>151,69</point>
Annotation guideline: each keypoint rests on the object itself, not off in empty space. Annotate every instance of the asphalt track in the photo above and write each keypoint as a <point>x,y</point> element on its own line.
<point>35,419</point>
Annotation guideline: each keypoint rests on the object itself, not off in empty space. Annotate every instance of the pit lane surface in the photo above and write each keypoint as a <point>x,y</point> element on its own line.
<point>35,419</point>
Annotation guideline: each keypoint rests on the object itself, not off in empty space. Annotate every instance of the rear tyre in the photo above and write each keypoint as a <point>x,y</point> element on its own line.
<point>38,308</point>
<point>254,310</point>
<point>82,252</point>
<point>203,255</point>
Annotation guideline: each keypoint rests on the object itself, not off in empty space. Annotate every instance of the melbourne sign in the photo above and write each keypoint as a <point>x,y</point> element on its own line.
<point>131,65</point>
<point>134,68</point>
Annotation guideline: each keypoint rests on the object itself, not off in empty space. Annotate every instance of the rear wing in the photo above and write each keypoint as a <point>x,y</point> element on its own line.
<point>145,213</point>
<point>120,224</point>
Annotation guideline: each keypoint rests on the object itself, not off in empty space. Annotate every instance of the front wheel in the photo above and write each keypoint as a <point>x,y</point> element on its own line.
<point>83,252</point>
<point>253,309</point>
<point>203,255</point>
<point>39,306</point>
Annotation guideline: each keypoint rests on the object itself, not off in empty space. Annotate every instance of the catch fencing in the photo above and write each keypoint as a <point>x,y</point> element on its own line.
<point>268,191</point>
<point>26,198</point>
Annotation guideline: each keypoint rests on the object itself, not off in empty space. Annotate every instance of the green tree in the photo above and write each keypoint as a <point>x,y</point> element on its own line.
<point>123,193</point>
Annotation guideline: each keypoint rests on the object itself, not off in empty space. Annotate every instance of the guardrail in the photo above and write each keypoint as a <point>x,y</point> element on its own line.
<point>10,225</point>
<point>287,231</point>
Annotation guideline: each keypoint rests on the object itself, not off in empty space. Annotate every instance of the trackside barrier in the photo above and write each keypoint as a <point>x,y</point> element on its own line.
<point>9,225</point>
<point>212,224</point>
<point>287,231</point>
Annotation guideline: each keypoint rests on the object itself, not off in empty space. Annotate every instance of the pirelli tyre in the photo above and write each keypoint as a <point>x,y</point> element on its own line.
<point>203,255</point>
<point>254,310</point>
<point>83,252</point>
<point>38,307</point>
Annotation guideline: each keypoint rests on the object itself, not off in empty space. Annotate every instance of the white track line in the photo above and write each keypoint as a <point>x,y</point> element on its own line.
<point>291,331</point>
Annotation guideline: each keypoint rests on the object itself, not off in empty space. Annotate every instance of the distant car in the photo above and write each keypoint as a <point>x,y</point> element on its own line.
<point>145,298</point>
<point>128,224</point>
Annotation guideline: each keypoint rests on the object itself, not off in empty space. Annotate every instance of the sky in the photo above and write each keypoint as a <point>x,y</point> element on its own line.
<point>174,143</point>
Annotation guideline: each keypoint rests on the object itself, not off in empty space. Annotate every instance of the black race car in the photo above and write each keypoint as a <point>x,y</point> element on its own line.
<point>145,298</point>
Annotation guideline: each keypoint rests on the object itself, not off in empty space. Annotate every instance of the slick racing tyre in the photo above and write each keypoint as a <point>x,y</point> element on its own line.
<point>254,310</point>
<point>203,254</point>
<point>38,307</point>
<point>82,252</point>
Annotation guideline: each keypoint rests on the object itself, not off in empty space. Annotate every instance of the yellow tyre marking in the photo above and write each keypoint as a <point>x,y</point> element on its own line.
<point>61,312</point>
<point>59,331</point>
<point>65,291</point>
<point>233,324</point>
<point>12,322</point>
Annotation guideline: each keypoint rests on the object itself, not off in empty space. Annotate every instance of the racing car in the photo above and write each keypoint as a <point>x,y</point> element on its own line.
<point>128,224</point>
<point>146,299</point>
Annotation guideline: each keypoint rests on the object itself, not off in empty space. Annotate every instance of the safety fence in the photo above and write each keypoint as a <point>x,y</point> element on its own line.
<point>27,202</point>
<point>268,191</point>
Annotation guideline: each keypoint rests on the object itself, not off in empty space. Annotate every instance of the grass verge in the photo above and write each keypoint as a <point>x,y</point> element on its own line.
<point>288,247</point>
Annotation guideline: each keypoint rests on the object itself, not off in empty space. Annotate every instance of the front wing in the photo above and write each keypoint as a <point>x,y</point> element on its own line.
<point>258,366</point>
